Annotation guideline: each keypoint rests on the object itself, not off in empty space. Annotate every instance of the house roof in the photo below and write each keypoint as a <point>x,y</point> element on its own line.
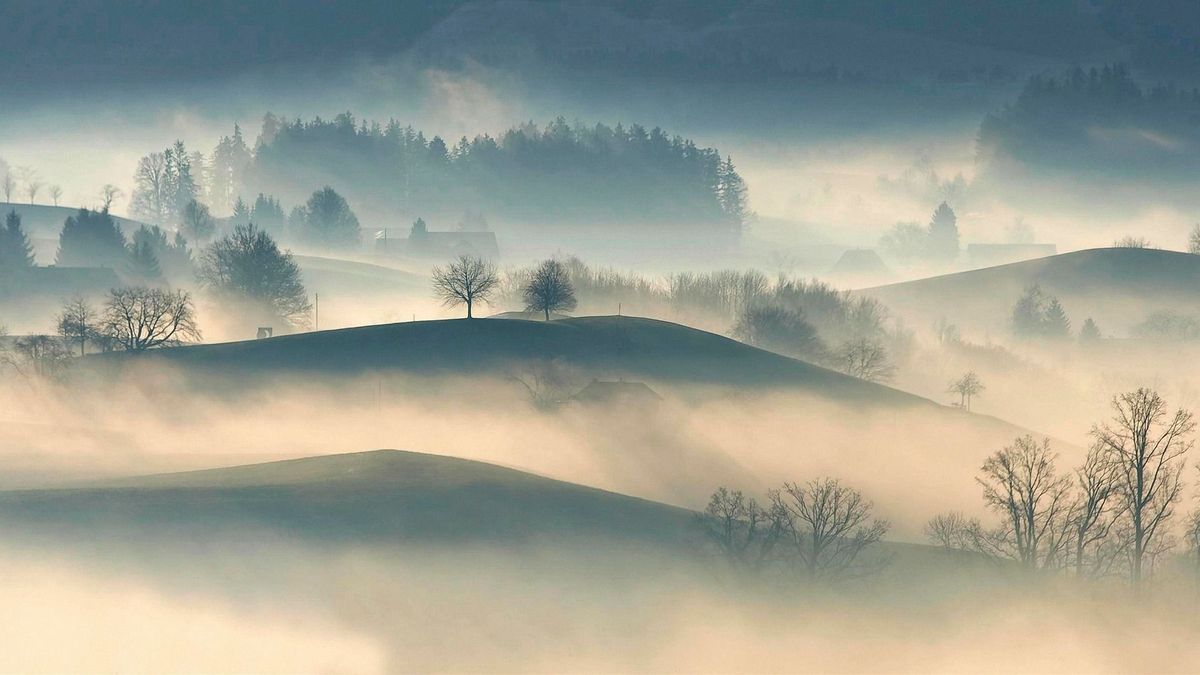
<point>602,391</point>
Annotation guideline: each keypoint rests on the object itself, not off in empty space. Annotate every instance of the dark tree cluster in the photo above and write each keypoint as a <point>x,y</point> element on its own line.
<point>559,172</point>
<point>1111,516</point>
<point>1096,119</point>
<point>1038,314</point>
<point>819,531</point>
<point>937,243</point>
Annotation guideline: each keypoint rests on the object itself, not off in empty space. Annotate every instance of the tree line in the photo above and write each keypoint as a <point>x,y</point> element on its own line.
<point>1112,516</point>
<point>552,173</point>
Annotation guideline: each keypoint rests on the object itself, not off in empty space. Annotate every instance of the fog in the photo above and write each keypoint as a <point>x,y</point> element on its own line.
<point>711,255</point>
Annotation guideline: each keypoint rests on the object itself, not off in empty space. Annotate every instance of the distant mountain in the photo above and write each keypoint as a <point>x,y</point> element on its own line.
<point>1117,287</point>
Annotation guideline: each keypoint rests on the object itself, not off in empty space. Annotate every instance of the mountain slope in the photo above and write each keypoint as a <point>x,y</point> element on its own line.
<point>383,496</point>
<point>1118,287</point>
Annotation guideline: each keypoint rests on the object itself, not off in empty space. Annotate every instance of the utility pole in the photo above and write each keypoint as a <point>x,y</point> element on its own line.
<point>317,310</point>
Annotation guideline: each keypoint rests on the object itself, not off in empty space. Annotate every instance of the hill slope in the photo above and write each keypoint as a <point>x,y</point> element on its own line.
<point>383,496</point>
<point>1118,287</point>
<point>604,346</point>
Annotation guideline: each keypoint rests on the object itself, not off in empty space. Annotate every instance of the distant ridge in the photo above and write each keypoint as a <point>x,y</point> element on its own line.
<point>384,496</point>
<point>1117,287</point>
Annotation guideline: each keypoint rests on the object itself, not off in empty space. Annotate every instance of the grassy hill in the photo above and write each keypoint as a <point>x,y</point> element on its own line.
<point>46,221</point>
<point>352,277</point>
<point>603,346</point>
<point>1118,287</point>
<point>383,496</point>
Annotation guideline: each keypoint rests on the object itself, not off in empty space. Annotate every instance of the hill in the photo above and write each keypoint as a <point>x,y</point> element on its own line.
<point>1118,287</point>
<point>376,498</point>
<point>605,346</point>
<point>43,221</point>
<point>382,496</point>
<point>333,275</point>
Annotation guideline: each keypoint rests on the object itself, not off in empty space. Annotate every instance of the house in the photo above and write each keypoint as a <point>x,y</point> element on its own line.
<point>617,391</point>
<point>426,244</point>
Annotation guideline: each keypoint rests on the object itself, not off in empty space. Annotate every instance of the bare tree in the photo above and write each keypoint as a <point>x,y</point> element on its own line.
<point>77,322</point>
<point>866,359</point>
<point>32,187</point>
<point>1093,516</point>
<point>55,193</point>
<point>828,528</point>
<point>466,280</point>
<point>1191,537</point>
<point>950,530</point>
<point>549,289</point>
<point>1021,484</point>
<point>108,194</point>
<point>198,223</point>
<point>967,387</point>
<point>1194,240</point>
<point>546,382</point>
<point>42,354</point>
<point>141,318</point>
<point>1147,445</point>
<point>8,183</point>
<point>743,532</point>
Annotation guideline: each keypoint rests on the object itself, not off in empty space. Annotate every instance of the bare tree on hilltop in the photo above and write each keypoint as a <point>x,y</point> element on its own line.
<point>549,289</point>
<point>139,318</point>
<point>465,281</point>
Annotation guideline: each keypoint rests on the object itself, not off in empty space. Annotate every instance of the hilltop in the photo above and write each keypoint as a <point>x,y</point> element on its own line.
<point>1118,287</point>
<point>382,496</point>
<point>604,346</point>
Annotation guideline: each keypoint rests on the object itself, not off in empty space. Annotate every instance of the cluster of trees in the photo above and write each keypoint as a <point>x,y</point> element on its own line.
<point>547,289</point>
<point>1038,314</point>
<point>935,243</point>
<point>819,531</point>
<point>560,171</point>
<point>93,239</point>
<point>1113,515</point>
<point>132,318</point>
<point>23,180</point>
<point>1062,120</point>
<point>805,319</point>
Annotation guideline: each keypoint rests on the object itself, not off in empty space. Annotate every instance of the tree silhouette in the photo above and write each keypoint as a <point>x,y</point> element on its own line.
<point>549,289</point>
<point>16,253</point>
<point>141,318</point>
<point>1147,444</point>
<point>91,239</point>
<point>247,267</point>
<point>465,281</point>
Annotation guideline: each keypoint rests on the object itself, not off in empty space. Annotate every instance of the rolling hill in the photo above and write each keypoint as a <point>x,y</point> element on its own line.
<point>604,346</point>
<point>382,496</point>
<point>1118,287</point>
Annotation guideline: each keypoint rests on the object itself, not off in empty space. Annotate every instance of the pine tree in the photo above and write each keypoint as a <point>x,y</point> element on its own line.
<point>15,250</point>
<point>1089,332</point>
<point>143,264</point>
<point>732,194</point>
<point>241,213</point>
<point>1028,313</point>
<point>943,234</point>
<point>1055,323</point>
<point>91,239</point>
